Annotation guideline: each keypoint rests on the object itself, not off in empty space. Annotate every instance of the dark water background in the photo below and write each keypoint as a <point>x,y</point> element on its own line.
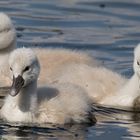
<point>109,29</point>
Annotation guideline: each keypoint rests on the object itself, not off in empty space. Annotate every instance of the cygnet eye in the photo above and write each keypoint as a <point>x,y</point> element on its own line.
<point>11,69</point>
<point>26,68</point>
<point>138,63</point>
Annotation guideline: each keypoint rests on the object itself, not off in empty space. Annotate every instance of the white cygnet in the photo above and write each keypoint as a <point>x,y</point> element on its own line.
<point>51,60</point>
<point>103,85</point>
<point>128,93</point>
<point>7,44</point>
<point>57,103</point>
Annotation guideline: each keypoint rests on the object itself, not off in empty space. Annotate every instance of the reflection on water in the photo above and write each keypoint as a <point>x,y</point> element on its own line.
<point>117,124</point>
<point>48,131</point>
<point>112,124</point>
<point>108,29</point>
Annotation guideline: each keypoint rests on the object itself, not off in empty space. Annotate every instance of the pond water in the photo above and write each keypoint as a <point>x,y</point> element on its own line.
<point>109,29</point>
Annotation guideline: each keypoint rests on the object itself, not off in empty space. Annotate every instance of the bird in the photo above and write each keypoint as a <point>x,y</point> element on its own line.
<point>52,60</point>
<point>76,67</point>
<point>7,44</point>
<point>128,94</point>
<point>27,102</point>
<point>104,86</point>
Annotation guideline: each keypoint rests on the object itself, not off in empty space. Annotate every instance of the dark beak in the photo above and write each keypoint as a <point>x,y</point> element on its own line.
<point>17,84</point>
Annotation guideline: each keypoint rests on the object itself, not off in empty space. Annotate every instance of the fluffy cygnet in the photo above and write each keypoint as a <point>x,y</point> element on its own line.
<point>51,60</point>
<point>7,44</point>
<point>59,103</point>
<point>128,93</point>
<point>103,85</point>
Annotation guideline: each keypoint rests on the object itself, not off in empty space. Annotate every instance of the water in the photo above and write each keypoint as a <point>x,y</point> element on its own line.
<point>109,29</point>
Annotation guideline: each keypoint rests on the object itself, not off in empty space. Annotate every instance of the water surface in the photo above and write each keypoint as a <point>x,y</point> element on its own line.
<point>108,29</point>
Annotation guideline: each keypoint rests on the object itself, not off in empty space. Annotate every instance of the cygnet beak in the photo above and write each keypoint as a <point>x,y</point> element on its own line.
<point>17,84</point>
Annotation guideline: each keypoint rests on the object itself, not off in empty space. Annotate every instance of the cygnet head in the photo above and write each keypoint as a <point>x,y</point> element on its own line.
<point>136,63</point>
<point>24,67</point>
<point>7,32</point>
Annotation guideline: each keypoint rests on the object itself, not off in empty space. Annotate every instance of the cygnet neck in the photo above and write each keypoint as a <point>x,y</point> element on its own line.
<point>134,83</point>
<point>130,91</point>
<point>9,48</point>
<point>27,97</point>
<point>126,95</point>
